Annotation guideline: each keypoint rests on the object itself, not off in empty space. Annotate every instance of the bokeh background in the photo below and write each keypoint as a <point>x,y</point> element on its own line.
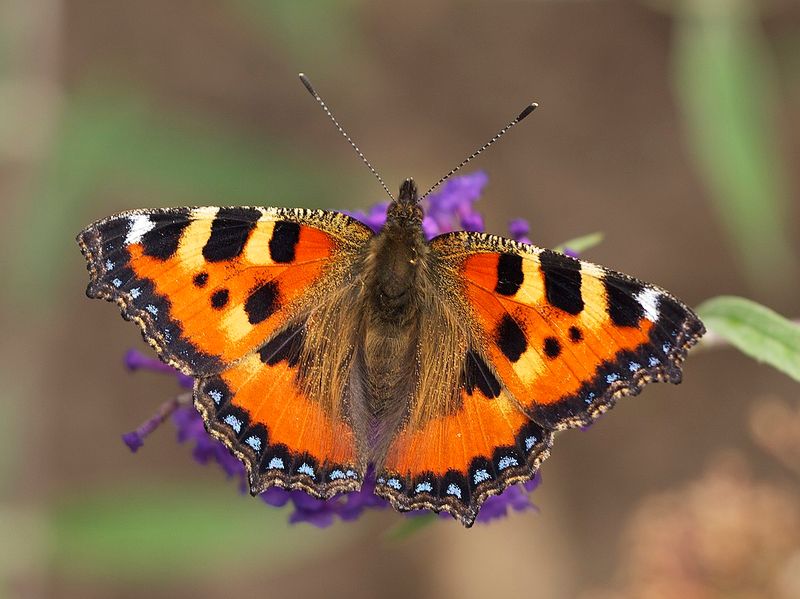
<point>672,127</point>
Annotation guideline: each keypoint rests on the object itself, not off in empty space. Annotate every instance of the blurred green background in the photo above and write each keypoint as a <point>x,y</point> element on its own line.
<point>673,127</point>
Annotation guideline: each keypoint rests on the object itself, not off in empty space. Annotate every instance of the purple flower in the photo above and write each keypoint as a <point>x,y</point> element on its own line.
<point>374,218</point>
<point>519,229</point>
<point>516,498</point>
<point>451,208</point>
<point>191,429</point>
<point>136,360</point>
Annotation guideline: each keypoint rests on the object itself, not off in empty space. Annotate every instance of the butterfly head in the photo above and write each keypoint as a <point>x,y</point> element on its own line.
<point>406,210</point>
<point>408,193</point>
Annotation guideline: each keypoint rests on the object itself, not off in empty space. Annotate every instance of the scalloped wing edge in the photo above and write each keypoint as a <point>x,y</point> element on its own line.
<point>89,241</point>
<point>466,513</point>
<point>259,482</point>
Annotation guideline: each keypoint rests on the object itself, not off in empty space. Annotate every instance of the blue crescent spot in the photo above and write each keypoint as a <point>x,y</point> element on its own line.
<point>423,486</point>
<point>336,475</point>
<point>612,377</point>
<point>306,469</point>
<point>634,366</point>
<point>665,348</point>
<point>394,484</point>
<point>216,395</point>
<point>135,292</point>
<point>233,422</point>
<point>507,462</point>
<point>454,489</point>
<point>117,283</point>
<point>351,474</point>
<point>653,361</point>
<point>254,442</point>
<point>152,309</point>
<point>109,265</point>
<point>530,442</point>
<point>275,464</point>
<point>480,476</point>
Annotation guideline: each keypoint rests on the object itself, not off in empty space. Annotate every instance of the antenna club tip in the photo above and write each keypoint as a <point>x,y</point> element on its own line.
<point>528,109</point>
<point>304,80</point>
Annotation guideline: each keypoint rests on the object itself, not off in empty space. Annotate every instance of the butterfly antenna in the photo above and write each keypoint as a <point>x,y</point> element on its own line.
<point>528,109</point>
<point>327,110</point>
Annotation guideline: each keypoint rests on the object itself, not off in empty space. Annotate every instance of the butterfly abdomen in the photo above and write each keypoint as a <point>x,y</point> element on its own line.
<point>391,297</point>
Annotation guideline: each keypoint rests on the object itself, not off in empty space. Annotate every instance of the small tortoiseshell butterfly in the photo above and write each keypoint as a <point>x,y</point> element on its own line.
<point>319,347</point>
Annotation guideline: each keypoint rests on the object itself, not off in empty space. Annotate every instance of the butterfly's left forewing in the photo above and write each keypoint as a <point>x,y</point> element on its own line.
<point>207,285</point>
<point>227,295</point>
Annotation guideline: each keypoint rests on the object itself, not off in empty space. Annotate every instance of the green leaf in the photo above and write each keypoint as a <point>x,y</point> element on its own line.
<point>178,532</point>
<point>581,244</point>
<point>410,526</point>
<point>755,330</point>
<point>726,87</point>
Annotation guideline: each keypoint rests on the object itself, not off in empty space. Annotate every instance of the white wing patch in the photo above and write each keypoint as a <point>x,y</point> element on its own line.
<point>648,300</point>
<point>138,226</point>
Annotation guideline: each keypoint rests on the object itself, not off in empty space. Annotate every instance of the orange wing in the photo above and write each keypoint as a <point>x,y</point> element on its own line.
<point>566,338</point>
<point>552,343</point>
<point>214,290</point>
<point>259,409</point>
<point>454,463</point>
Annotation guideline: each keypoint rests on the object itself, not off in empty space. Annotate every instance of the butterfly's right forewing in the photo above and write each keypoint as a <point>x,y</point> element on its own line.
<point>565,337</point>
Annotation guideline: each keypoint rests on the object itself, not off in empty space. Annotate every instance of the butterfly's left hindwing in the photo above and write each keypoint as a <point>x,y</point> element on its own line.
<point>224,294</point>
<point>260,409</point>
<point>566,338</point>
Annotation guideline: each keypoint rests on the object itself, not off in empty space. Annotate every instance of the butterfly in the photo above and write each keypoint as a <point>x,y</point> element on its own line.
<point>319,348</point>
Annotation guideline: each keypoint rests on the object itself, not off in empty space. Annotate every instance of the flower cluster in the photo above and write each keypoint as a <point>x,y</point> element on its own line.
<point>452,208</point>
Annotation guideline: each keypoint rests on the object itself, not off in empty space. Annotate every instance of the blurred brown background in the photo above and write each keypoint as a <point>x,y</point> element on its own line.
<point>671,127</point>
